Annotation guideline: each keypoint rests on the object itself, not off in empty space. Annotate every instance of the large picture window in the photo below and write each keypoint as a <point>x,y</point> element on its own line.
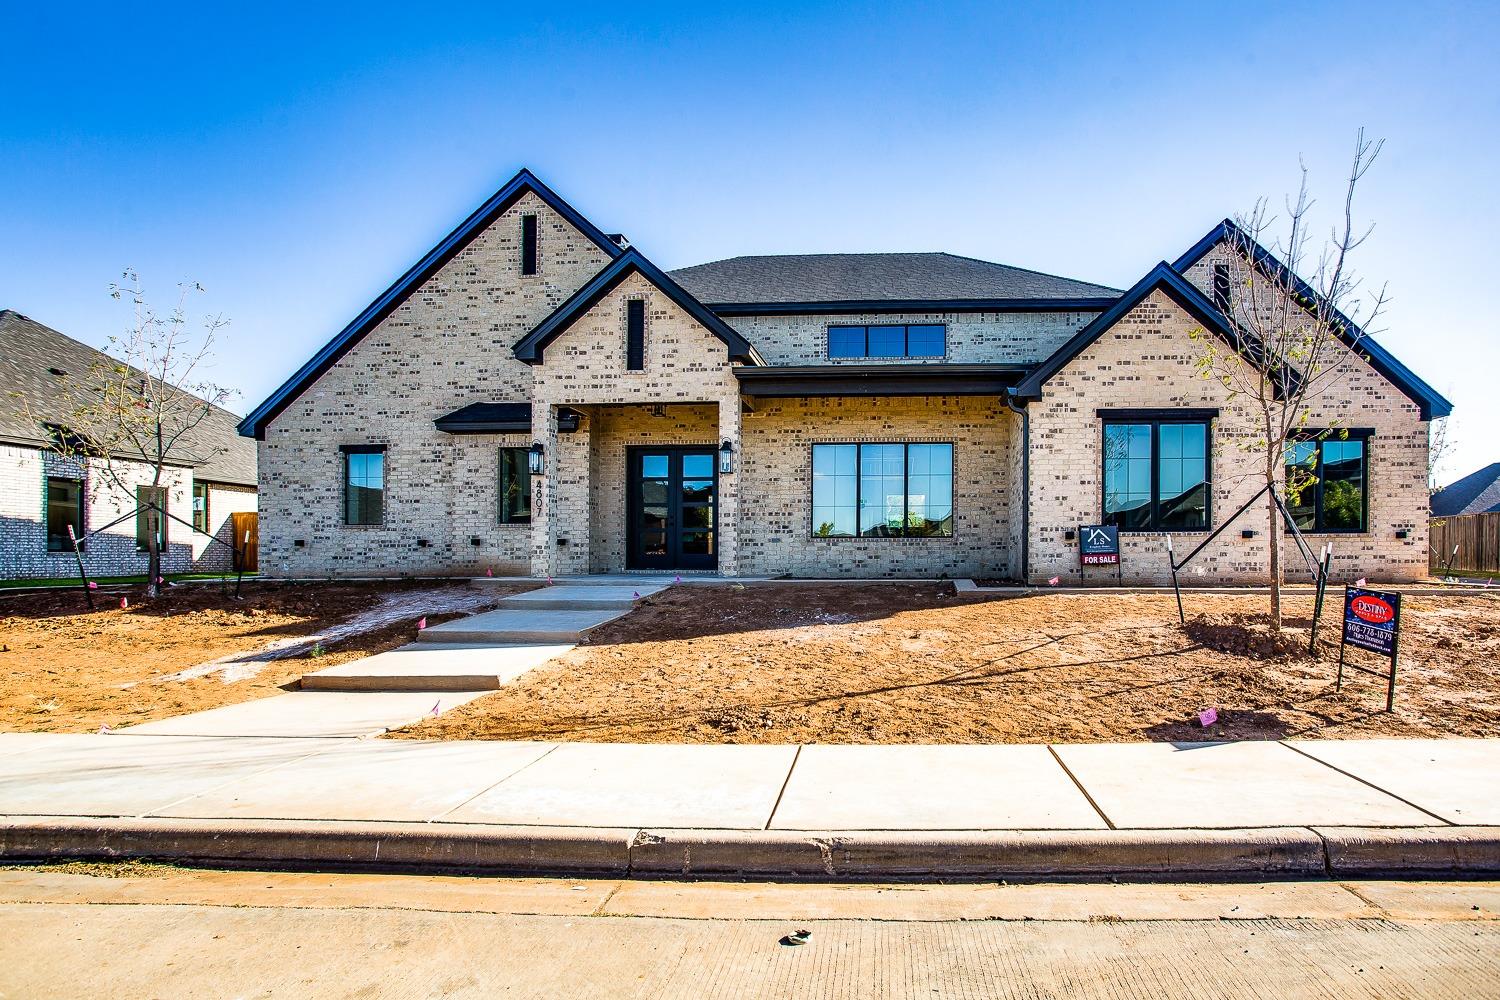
<point>1327,481</point>
<point>882,490</point>
<point>64,511</point>
<point>921,340</point>
<point>515,487</point>
<point>1156,474</point>
<point>364,484</point>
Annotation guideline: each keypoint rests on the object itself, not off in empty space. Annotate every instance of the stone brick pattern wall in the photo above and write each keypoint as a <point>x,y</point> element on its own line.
<point>776,533</point>
<point>448,345</point>
<point>23,529</point>
<point>973,338</point>
<point>1146,361</point>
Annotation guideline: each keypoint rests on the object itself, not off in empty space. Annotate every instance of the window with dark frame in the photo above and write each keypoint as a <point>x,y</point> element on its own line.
<point>64,510</point>
<point>364,484</point>
<point>882,490</point>
<point>528,244</point>
<point>887,340</point>
<point>515,487</point>
<point>1221,288</point>
<point>635,335</point>
<point>200,507</point>
<point>146,514</point>
<point>1327,481</point>
<point>1156,474</point>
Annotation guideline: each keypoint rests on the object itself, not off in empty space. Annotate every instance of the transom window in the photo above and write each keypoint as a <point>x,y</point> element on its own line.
<point>64,511</point>
<point>364,484</point>
<point>882,490</point>
<point>1327,477</point>
<point>1156,474</point>
<point>515,487</point>
<point>926,340</point>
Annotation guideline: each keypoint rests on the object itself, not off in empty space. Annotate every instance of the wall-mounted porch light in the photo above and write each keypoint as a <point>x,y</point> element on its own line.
<point>726,457</point>
<point>536,461</point>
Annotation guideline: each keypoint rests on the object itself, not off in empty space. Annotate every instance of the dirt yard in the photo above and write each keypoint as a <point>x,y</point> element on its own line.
<point>895,663</point>
<point>65,669</point>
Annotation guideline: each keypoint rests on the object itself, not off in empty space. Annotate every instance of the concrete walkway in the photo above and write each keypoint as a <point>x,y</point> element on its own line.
<point>449,664</point>
<point>849,811</point>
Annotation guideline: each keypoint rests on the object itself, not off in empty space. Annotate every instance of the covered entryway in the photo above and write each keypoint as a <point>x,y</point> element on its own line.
<point>673,508</point>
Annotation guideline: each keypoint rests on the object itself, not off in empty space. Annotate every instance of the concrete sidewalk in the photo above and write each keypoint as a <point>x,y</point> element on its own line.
<point>849,811</point>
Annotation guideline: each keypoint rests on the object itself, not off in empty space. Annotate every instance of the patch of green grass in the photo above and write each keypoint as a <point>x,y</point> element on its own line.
<point>104,580</point>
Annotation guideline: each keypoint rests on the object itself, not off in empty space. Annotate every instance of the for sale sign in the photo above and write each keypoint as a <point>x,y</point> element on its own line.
<point>1371,619</point>
<point>1099,545</point>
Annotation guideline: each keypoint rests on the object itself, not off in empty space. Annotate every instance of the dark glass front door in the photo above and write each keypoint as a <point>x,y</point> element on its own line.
<point>673,510</point>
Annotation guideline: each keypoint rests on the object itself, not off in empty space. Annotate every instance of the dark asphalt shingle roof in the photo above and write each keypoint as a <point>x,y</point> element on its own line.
<point>1476,493</point>
<point>28,350</point>
<point>852,277</point>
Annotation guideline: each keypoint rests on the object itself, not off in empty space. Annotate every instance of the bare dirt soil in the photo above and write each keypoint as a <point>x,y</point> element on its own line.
<point>899,663</point>
<point>66,669</point>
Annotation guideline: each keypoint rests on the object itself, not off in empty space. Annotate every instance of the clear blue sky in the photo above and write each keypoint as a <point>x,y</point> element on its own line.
<point>296,162</point>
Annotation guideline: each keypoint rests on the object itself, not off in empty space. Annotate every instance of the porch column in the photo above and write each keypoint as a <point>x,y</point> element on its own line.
<point>729,488</point>
<point>544,491</point>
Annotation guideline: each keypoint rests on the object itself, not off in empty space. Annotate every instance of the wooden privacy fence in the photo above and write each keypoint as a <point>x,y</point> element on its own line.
<point>246,528</point>
<point>1477,537</point>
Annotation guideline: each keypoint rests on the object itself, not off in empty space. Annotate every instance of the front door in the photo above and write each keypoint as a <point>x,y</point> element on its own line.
<point>673,509</point>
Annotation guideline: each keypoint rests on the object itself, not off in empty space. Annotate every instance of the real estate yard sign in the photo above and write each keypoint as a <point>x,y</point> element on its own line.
<point>1372,621</point>
<point>1099,545</point>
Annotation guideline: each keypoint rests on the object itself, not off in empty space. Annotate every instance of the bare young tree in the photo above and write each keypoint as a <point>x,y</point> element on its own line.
<point>1295,338</point>
<point>130,417</point>
<point>1439,447</point>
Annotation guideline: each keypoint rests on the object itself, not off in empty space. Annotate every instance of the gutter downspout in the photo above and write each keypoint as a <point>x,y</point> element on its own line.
<point>1010,401</point>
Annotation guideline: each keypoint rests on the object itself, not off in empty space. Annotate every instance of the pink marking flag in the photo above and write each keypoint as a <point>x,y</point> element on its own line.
<point>160,580</point>
<point>124,603</point>
<point>636,594</point>
<point>1054,581</point>
<point>676,579</point>
<point>93,585</point>
<point>549,579</point>
<point>488,571</point>
<point>421,623</point>
<point>1360,582</point>
<point>1208,717</point>
<point>103,730</point>
<point>435,706</point>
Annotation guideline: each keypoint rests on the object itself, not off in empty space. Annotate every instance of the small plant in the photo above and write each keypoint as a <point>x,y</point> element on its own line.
<point>316,651</point>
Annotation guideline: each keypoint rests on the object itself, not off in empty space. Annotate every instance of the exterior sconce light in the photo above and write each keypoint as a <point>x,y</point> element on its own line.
<point>726,457</point>
<point>536,461</point>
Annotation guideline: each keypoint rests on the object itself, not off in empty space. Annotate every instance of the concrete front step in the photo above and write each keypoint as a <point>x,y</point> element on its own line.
<point>520,625</point>
<point>435,667</point>
<point>569,596</point>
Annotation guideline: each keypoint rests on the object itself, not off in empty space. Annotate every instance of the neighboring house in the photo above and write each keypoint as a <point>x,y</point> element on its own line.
<point>1476,493</point>
<point>42,493</point>
<point>535,396</point>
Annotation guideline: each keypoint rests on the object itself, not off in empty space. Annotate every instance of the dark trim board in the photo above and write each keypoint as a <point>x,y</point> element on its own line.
<point>1183,414</point>
<point>530,348</point>
<point>1431,403</point>
<point>1093,304</point>
<point>914,379</point>
<point>254,425</point>
<point>499,418</point>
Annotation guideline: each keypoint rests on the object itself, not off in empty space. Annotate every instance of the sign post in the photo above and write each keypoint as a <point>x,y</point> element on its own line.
<point>1372,621</point>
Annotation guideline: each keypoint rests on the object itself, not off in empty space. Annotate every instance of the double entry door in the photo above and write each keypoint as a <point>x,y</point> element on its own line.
<point>673,508</point>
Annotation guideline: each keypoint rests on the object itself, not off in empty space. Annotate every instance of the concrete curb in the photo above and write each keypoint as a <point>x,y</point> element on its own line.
<point>851,855</point>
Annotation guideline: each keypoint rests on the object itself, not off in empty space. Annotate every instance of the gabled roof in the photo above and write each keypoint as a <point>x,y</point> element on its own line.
<point>32,355</point>
<point>1162,277</point>
<point>825,282</point>
<point>530,347</point>
<point>501,201</point>
<point>1476,493</point>
<point>1428,399</point>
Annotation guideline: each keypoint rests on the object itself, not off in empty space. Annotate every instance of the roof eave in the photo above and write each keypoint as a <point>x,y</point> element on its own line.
<point>830,307</point>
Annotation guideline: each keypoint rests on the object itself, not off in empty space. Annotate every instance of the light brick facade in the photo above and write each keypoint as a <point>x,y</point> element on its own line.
<point>1021,478</point>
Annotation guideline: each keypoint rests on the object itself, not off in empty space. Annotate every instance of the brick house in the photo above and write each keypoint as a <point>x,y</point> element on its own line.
<point>43,493</point>
<point>535,396</point>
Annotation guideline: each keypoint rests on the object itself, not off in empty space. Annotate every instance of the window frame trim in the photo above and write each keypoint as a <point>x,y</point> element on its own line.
<point>1319,435</point>
<point>345,450</point>
<point>535,248</point>
<point>166,503</point>
<point>906,354</point>
<point>1207,416</point>
<point>500,520</point>
<point>858,490</point>
<point>47,513</point>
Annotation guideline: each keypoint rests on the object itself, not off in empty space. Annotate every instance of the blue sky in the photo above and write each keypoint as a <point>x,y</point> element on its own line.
<point>295,162</point>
